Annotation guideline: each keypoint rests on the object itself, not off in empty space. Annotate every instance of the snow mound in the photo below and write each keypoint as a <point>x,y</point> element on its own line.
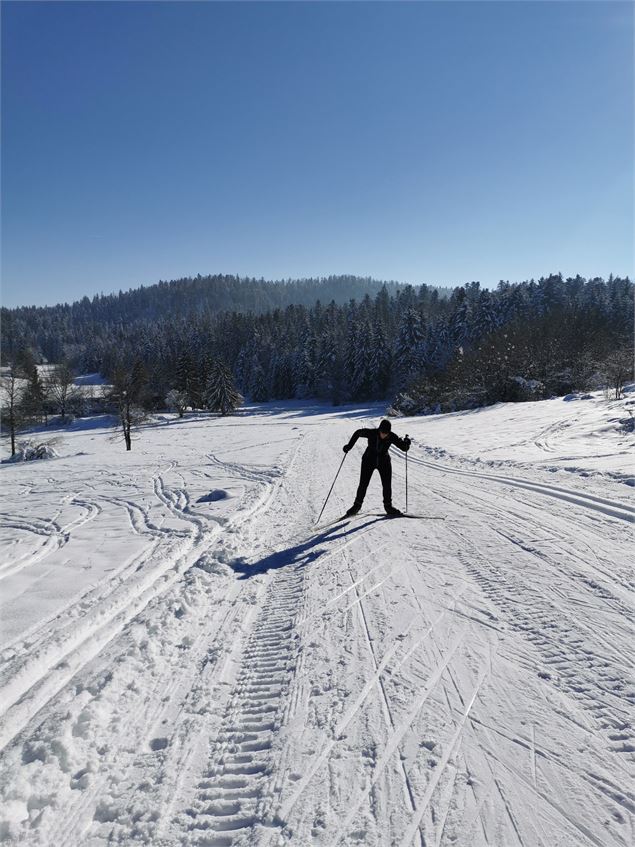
<point>576,395</point>
<point>213,496</point>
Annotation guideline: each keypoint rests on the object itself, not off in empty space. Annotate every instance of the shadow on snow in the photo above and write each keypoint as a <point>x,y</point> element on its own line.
<point>299,555</point>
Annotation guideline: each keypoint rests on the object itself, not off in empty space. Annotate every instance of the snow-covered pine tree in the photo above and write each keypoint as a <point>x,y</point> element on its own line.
<point>302,370</point>
<point>221,394</point>
<point>407,358</point>
<point>34,396</point>
<point>258,384</point>
<point>184,377</point>
<point>206,366</point>
<point>361,377</point>
<point>459,320</point>
<point>438,346</point>
<point>242,369</point>
<point>379,362</point>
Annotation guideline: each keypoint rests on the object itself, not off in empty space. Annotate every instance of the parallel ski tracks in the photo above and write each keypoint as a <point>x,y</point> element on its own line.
<point>531,518</point>
<point>386,708</point>
<point>587,678</point>
<point>204,656</point>
<point>397,731</point>
<point>613,508</point>
<point>26,692</point>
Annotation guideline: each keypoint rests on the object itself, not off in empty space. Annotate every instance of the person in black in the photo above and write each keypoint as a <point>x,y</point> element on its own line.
<point>376,456</point>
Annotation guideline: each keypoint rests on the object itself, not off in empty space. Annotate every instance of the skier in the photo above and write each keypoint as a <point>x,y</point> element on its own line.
<point>376,456</point>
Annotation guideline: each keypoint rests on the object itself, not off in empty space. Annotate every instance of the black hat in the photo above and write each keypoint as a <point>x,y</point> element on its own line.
<point>385,426</point>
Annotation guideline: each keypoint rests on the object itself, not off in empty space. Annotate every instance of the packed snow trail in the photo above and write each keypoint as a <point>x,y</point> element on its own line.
<point>189,661</point>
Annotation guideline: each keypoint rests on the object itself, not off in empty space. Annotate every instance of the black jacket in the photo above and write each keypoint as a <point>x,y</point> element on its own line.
<point>377,450</point>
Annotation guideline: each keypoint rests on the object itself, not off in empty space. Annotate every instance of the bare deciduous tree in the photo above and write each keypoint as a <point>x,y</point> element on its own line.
<point>127,393</point>
<point>61,389</point>
<point>14,417</point>
<point>618,369</point>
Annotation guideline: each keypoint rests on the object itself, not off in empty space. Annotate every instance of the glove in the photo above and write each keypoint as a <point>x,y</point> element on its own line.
<point>406,444</point>
<point>346,448</point>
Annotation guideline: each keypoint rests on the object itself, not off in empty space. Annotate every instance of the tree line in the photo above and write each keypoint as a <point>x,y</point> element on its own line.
<point>61,331</point>
<point>408,345</point>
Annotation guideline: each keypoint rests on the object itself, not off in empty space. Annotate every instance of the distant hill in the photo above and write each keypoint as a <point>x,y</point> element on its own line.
<point>217,293</point>
<point>45,327</point>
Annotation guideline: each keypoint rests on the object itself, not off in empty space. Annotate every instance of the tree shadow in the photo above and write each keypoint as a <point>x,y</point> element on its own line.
<point>299,555</point>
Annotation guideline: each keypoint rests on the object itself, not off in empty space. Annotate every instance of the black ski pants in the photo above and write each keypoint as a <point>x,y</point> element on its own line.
<point>385,472</point>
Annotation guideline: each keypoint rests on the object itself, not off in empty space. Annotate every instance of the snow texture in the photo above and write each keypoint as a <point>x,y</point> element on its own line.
<point>188,660</point>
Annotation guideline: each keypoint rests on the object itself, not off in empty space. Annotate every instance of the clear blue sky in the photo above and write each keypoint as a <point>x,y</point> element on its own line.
<point>435,142</point>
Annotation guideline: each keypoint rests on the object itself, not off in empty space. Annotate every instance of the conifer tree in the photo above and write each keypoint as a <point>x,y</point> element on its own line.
<point>34,396</point>
<point>258,390</point>
<point>362,374</point>
<point>379,362</point>
<point>408,346</point>
<point>221,394</point>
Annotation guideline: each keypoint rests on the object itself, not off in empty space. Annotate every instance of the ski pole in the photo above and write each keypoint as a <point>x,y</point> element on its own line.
<point>331,488</point>
<point>406,478</point>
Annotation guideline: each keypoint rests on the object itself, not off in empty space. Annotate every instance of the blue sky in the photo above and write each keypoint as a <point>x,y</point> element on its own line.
<point>436,142</point>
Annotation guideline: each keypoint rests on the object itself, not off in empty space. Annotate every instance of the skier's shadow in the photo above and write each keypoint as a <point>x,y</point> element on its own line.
<point>299,555</point>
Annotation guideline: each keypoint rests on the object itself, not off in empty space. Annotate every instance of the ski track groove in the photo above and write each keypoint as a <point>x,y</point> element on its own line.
<point>581,673</point>
<point>56,536</point>
<point>235,793</point>
<point>394,740</point>
<point>612,508</point>
<point>496,510</point>
<point>438,771</point>
<point>260,693</point>
<point>547,632</point>
<point>159,700</point>
<point>579,828</point>
<point>409,792</point>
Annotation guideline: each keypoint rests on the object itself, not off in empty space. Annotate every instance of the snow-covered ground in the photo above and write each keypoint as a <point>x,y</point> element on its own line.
<point>187,660</point>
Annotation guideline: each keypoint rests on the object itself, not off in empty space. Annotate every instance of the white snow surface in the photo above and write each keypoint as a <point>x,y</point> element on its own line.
<point>188,660</point>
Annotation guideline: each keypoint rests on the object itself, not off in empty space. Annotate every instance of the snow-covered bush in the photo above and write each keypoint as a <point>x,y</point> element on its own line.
<point>618,370</point>
<point>521,389</point>
<point>177,400</point>
<point>29,450</point>
<point>403,404</point>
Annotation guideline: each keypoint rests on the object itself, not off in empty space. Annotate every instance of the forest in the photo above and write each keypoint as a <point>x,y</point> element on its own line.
<point>419,348</point>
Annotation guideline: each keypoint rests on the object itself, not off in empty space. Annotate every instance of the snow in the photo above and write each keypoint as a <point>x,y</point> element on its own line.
<point>91,379</point>
<point>188,660</point>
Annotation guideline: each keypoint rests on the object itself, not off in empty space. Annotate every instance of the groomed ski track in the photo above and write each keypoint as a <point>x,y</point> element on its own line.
<point>240,677</point>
